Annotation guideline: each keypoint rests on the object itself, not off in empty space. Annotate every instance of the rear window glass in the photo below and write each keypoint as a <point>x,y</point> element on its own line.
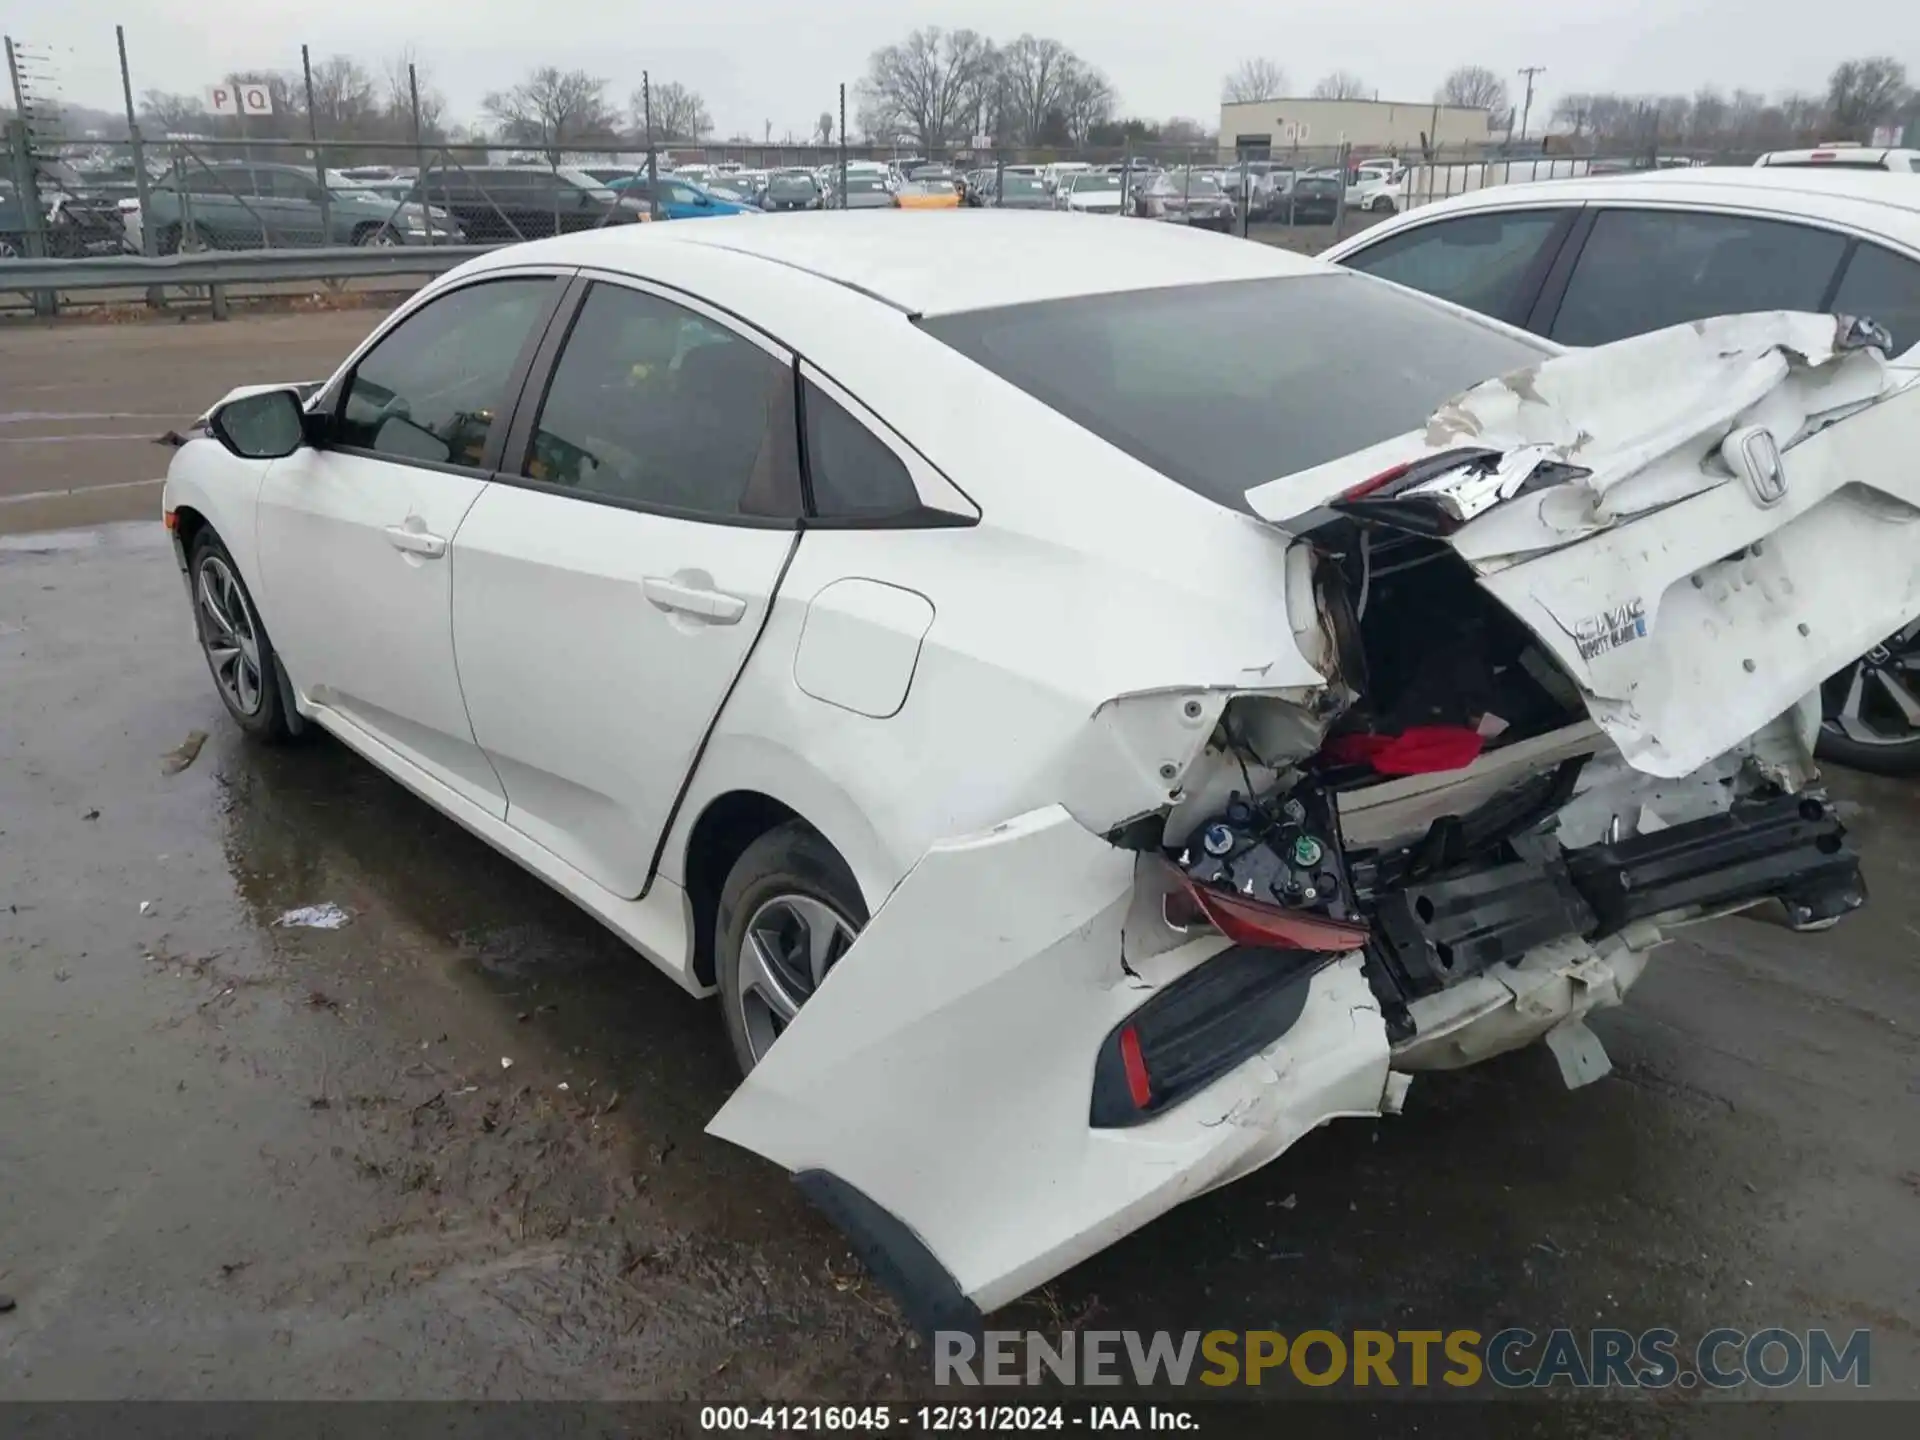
<point>1224,387</point>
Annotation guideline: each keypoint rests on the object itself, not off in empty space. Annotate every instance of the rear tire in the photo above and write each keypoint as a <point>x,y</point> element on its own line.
<point>239,655</point>
<point>1892,759</point>
<point>788,912</point>
<point>1876,697</point>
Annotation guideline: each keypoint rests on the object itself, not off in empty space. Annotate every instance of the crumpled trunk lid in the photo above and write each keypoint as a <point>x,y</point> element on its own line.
<point>1699,525</point>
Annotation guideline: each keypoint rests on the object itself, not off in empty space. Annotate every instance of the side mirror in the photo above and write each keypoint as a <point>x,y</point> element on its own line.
<point>270,425</point>
<point>705,202</point>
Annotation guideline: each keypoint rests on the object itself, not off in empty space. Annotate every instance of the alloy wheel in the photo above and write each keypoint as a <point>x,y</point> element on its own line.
<point>791,942</point>
<point>1876,700</point>
<point>229,635</point>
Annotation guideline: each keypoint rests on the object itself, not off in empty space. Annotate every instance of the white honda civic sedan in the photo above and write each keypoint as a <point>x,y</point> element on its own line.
<point>1095,702</point>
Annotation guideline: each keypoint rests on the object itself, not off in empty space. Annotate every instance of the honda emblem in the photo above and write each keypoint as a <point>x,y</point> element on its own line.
<point>1752,454</point>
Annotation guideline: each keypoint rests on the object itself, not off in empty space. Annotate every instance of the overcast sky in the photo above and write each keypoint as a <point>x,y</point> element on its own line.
<point>780,60</point>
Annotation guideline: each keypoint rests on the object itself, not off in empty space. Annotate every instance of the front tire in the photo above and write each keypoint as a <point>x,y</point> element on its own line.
<point>239,655</point>
<point>788,912</point>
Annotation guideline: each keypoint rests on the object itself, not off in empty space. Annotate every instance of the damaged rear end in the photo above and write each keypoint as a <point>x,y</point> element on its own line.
<point>1570,637</point>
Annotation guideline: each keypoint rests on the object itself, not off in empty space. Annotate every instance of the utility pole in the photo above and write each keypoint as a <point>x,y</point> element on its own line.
<point>319,160</point>
<point>419,151</point>
<point>653,165</point>
<point>1527,110</point>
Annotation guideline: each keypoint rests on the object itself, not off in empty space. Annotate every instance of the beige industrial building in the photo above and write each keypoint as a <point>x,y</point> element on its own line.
<point>1369,126</point>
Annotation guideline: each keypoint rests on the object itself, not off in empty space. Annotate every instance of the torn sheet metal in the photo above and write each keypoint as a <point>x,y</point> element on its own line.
<point>1737,521</point>
<point>944,1071</point>
<point>1690,629</point>
<point>1638,417</point>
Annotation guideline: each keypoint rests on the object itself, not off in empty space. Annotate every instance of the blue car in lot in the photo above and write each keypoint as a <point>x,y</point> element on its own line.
<point>678,199</point>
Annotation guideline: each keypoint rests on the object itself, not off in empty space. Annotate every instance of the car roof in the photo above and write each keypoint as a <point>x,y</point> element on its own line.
<point>928,264</point>
<point>1877,202</point>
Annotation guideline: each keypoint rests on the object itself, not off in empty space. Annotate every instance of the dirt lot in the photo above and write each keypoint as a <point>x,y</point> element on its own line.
<point>82,399</point>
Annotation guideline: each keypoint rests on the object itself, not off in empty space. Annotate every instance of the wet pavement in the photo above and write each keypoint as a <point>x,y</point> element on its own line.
<point>81,403</point>
<point>240,1159</point>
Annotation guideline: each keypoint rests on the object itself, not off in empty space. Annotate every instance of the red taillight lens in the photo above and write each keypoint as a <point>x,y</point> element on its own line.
<point>1367,487</point>
<point>1246,921</point>
<point>1139,1084</point>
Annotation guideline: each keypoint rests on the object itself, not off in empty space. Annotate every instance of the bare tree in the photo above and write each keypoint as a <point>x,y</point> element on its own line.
<point>1708,123</point>
<point>1475,87</point>
<point>927,85</point>
<point>823,128</point>
<point>1340,85</point>
<point>1086,101</point>
<point>407,73</point>
<point>678,112</point>
<point>163,114</point>
<point>552,108</point>
<point>1257,79</point>
<point>1179,131</point>
<point>1574,111</point>
<point>1030,83</point>
<point>1864,93</point>
<point>346,98</point>
<point>1802,116</point>
<point>1746,120</point>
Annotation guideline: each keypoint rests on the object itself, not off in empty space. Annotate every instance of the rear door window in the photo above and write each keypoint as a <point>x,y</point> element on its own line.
<point>1883,286</point>
<point>656,406</point>
<point>227,181</point>
<point>1643,270</point>
<point>1490,262</point>
<point>1224,387</point>
<point>287,185</point>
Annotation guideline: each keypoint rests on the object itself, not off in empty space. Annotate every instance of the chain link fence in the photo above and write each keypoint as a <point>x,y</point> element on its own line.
<point>259,184</point>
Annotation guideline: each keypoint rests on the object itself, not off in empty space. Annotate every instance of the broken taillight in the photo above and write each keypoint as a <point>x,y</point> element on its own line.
<point>1192,1031</point>
<point>1368,486</point>
<point>1246,921</point>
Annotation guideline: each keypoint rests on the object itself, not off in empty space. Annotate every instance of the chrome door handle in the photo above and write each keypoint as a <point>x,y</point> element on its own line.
<point>712,605</point>
<point>416,542</point>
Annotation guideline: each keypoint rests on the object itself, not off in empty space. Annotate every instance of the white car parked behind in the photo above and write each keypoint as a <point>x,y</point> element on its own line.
<point>1597,259</point>
<point>895,623</point>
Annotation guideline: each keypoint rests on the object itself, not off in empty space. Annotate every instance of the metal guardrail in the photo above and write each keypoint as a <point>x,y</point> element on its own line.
<point>239,267</point>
